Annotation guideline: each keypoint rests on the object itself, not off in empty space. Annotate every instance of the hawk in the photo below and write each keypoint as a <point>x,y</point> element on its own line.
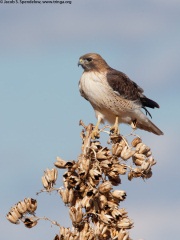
<point>114,96</point>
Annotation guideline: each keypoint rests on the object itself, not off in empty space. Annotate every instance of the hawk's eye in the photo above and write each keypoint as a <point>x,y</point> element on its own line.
<point>89,59</point>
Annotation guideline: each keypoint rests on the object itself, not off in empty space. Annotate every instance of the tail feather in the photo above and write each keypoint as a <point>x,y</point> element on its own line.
<point>146,102</point>
<point>149,126</point>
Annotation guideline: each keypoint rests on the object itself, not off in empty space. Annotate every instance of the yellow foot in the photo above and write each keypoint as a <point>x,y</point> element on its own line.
<point>114,129</point>
<point>95,133</point>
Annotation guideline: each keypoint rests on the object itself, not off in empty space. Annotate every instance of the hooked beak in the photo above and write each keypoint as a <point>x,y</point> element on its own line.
<point>81,61</point>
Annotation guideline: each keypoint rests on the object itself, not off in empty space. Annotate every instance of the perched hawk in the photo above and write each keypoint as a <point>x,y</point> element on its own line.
<point>114,96</point>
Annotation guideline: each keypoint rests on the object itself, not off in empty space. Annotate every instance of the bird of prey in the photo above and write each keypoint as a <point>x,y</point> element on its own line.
<point>114,97</point>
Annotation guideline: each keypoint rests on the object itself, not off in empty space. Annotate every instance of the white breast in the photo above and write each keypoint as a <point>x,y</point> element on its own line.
<point>93,87</point>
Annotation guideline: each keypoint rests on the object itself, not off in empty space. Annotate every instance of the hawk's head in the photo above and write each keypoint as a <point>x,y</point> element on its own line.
<point>92,61</point>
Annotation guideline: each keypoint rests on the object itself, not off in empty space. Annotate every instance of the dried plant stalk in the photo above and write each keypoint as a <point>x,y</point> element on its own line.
<point>94,206</point>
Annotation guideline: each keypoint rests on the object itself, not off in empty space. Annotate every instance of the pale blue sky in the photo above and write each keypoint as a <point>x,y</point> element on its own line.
<point>41,106</point>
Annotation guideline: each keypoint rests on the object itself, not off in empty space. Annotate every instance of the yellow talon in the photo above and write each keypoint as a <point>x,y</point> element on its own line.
<point>115,127</point>
<point>95,133</point>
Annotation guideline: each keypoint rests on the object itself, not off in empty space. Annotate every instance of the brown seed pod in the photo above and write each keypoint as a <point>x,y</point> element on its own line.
<point>145,166</point>
<point>60,163</point>
<point>75,214</point>
<point>119,194</point>
<point>140,156</point>
<point>105,187</point>
<point>102,201</point>
<point>64,193</point>
<point>31,204</point>
<point>123,235</point>
<point>103,154</point>
<point>105,218</point>
<point>15,210</point>
<point>116,213</point>
<point>127,153</point>
<point>30,222</point>
<point>13,217</point>
<point>120,168</point>
<point>135,141</point>
<point>115,180</point>
<point>144,149</point>
<point>137,162</point>
<point>117,149</point>
<point>21,207</point>
<point>125,223</point>
<point>45,182</point>
<point>56,237</point>
<point>106,164</point>
<point>95,174</point>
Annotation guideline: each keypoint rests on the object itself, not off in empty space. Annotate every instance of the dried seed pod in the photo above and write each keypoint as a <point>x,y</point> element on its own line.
<point>76,214</point>
<point>113,233</point>
<point>67,174</point>
<point>95,174</point>
<point>144,149</point>
<point>106,164</point>
<point>151,161</point>
<point>138,146</point>
<point>71,165</point>
<point>105,187</point>
<point>81,187</point>
<point>145,166</point>
<point>137,162</point>
<point>140,156</point>
<point>148,154</point>
<point>15,210</point>
<point>65,195</point>
<point>84,231</point>
<point>31,204</point>
<point>115,180</point>
<point>147,174</point>
<point>103,154</point>
<point>105,218</point>
<point>135,141</point>
<point>62,232</point>
<point>70,195</point>
<point>45,182</point>
<point>60,163</point>
<point>87,203</point>
<point>82,173</point>
<point>74,181</point>
<point>93,182</point>
<point>84,163</point>
<point>123,212</point>
<point>51,175</point>
<point>116,213</point>
<point>21,207</point>
<point>120,168</point>
<point>125,223</point>
<point>112,205</point>
<point>13,217</point>
<point>117,149</point>
<point>123,235</point>
<point>127,153</point>
<point>119,194</point>
<point>100,228</point>
<point>56,237</point>
<point>136,172</point>
<point>96,145</point>
<point>30,222</point>
<point>130,176</point>
<point>102,201</point>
